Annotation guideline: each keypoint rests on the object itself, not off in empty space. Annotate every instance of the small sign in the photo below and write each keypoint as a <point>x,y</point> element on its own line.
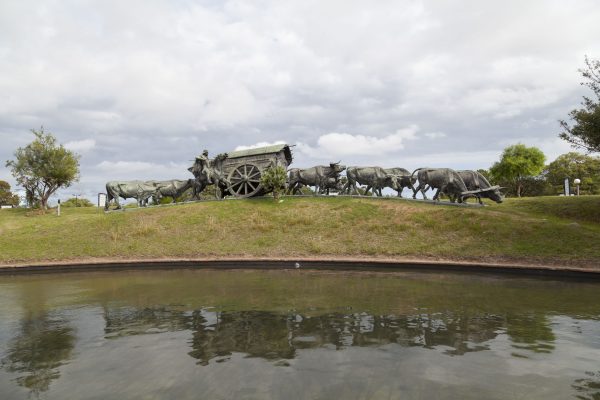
<point>567,189</point>
<point>101,200</point>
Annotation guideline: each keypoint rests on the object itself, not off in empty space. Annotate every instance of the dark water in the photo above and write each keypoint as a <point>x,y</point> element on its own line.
<point>297,335</point>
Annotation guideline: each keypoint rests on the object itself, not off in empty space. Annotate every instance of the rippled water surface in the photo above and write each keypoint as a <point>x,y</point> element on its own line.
<point>297,335</point>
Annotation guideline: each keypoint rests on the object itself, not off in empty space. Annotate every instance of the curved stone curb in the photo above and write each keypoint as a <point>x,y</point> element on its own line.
<point>303,263</point>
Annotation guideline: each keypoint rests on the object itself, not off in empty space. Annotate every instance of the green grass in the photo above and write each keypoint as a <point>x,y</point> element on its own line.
<point>534,230</point>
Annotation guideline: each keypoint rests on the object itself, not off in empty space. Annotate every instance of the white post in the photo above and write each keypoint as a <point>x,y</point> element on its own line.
<point>577,182</point>
<point>58,208</point>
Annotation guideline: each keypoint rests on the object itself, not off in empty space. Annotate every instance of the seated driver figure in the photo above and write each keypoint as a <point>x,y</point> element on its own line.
<point>205,166</point>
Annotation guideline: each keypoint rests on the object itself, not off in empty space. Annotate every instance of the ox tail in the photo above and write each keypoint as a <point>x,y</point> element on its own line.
<point>412,176</point>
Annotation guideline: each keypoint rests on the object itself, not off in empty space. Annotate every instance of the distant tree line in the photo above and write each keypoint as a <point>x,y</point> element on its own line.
<point>521,170</point>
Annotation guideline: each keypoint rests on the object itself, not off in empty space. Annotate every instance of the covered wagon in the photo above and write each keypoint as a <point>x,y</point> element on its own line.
<point>244,168</point>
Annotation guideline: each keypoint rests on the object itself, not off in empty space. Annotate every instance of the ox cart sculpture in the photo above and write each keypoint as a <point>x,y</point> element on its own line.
<point>239,173</point>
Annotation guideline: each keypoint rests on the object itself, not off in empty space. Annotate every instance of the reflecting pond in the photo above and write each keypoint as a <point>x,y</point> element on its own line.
<point>293,334</point>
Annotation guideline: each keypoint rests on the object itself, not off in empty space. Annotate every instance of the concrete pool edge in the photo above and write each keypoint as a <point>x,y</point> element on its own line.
<point>290,263</point>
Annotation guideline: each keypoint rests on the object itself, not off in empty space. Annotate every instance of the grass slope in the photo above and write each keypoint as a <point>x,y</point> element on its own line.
<point>547,230</point>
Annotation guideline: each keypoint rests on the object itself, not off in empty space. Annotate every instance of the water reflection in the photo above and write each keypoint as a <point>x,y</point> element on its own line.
<point>588,388</point>
<point>274,336</point>
<point>231,321</point>
<point>41,346</point>
<point>43,341</point>
<point>532,332</point>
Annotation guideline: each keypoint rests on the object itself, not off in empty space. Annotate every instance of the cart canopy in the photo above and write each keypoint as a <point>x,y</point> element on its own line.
<point>274,149</point>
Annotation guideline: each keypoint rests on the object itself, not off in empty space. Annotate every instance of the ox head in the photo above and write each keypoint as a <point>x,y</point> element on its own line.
<point>493,193</point>
<point>392,181</point>
<point>336,168</point>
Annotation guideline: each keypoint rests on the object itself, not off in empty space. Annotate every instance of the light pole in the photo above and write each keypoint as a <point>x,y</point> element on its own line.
<point>577,181</point>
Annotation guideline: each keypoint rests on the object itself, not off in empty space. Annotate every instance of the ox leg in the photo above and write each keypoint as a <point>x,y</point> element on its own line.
<point>421,188</point>
<point>415,190</point>
<point>367,190</point>
<point>425,189</point>
<point>436,196</point>
<point>289,189</point>
<point>346,188</point>
<point>297,188</point>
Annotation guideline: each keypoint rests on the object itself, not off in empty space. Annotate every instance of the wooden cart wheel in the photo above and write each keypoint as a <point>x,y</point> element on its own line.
<point>245,180</point>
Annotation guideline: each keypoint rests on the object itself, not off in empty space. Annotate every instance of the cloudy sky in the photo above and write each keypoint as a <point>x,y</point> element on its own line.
<point>138,88</point>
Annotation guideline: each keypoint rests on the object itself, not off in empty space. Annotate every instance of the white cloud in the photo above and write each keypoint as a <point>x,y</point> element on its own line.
<point>345,144</point>
<point>128,166</point>
<point>127,170</point>
<point>81,145</point>
<point>259,144</point>
<point>435,135</point>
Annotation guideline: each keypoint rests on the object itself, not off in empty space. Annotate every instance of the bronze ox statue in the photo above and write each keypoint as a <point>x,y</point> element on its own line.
<point>479,186</point>
<point>374,177</point>
<point>319,176</point>
<point>139,190</point>
<point>404,177</point>
<point>457,185</point>
<point>445,180</point>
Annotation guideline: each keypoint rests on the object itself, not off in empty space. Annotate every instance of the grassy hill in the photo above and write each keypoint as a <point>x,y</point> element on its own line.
<point>556,230</point>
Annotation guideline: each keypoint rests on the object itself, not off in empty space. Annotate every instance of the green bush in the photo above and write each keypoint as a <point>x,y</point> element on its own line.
<point>77,203</point>
<point>273,180</point>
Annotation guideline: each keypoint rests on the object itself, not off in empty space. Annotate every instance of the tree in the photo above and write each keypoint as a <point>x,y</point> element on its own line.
<point>274,179</point>
<point>43,166</point>
<point>7,198</point>
<point>517,164</point>
<point>585,131</point>
<point>574,165</point>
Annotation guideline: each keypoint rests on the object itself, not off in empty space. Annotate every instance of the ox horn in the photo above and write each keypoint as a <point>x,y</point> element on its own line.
<point>472,192</point>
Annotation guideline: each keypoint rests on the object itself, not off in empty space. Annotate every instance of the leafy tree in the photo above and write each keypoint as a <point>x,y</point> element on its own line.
<point>274,179</point>
<point>77,203</point>
<point>585,131</point>
<point>44,166</point>
<point>518,162</point>
<point>574,165</point>
<point>7,198</point>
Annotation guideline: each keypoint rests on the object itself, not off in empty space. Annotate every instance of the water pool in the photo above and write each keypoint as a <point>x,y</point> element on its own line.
<point>294,334</point>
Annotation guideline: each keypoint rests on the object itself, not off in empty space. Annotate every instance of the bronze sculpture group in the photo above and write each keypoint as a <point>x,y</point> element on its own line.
<point>238,174</point>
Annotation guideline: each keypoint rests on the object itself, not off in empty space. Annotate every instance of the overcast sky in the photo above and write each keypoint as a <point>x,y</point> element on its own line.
<point>138,88</point>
